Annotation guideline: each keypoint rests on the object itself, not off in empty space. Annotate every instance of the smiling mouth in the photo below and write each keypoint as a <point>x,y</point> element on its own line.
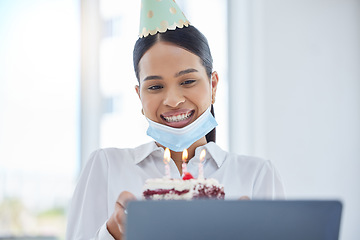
<point>178,118</point>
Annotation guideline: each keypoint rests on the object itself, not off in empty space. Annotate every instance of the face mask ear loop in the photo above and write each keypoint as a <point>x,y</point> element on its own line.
<point>211,92</point>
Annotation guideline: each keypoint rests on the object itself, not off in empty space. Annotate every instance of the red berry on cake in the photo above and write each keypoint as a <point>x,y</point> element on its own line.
<point>187,176</point>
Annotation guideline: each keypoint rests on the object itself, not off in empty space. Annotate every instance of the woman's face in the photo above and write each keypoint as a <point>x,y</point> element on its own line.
<point>174,88</point>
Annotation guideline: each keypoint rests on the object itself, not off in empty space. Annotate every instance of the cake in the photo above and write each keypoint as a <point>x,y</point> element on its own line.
<point>187,188</point>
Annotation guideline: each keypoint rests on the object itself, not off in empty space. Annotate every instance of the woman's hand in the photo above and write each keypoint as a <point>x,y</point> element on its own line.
<point>116,223</point>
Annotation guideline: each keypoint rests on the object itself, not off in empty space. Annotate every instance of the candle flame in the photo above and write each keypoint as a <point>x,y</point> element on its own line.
<point>202,155</point>
<point>167,156</point>
<point>185,155</point>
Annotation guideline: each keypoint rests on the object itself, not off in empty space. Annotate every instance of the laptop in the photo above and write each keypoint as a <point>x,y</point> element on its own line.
<point>249,220</point>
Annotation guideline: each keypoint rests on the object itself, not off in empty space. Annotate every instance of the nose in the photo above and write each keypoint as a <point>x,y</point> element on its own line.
<point>173,98</point>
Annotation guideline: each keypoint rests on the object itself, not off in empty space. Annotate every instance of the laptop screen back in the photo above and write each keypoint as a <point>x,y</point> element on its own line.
<point>250,220</point>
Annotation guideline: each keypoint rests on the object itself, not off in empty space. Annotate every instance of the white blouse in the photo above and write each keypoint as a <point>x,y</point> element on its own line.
<point>111,171</point>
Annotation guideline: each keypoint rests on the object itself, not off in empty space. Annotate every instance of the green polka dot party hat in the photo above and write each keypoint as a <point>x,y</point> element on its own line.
<point>160,16</point>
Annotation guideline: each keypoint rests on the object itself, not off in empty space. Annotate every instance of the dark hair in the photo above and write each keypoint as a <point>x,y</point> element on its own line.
<point>189,38</point>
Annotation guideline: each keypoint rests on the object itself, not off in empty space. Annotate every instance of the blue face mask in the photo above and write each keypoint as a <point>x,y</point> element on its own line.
<point>177,139</point>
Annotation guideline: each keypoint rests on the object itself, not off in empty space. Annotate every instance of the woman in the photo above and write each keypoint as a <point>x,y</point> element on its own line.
<point>177,89</point>
<point>176,86</point>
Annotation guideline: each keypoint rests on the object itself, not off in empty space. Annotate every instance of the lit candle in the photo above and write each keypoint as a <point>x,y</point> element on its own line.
<point>184,158</point>
<point>166,161</point>
<point>201,167</point>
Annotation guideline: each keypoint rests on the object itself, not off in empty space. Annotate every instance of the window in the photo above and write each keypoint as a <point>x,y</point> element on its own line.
<point>39,78</point>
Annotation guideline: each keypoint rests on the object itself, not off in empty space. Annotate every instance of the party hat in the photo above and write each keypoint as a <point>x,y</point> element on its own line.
<point>160,16</point>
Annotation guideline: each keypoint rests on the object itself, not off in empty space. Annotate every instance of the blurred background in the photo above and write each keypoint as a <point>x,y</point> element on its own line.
<point>289,91</point>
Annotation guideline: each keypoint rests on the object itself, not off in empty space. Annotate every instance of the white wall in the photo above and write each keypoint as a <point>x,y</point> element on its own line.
<point>304,97</point>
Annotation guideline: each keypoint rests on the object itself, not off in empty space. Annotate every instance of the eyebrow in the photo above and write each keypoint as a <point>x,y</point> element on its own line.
<point>189,70</point>
<point>152,77</point>
<point>183,72</point>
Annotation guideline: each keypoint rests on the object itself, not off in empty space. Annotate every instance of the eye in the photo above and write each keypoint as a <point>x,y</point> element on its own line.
<point>188,82</point>
<point>155,87</point>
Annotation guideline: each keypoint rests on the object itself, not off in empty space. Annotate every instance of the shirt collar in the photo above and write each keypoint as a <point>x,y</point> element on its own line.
<point>214,152</point>
<point>143,151</point>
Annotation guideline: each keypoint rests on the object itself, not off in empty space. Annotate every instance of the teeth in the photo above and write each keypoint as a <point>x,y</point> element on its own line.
<point>178,118</point>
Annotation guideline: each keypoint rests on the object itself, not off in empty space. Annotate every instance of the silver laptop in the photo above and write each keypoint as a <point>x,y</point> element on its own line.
<point>249,220</point>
